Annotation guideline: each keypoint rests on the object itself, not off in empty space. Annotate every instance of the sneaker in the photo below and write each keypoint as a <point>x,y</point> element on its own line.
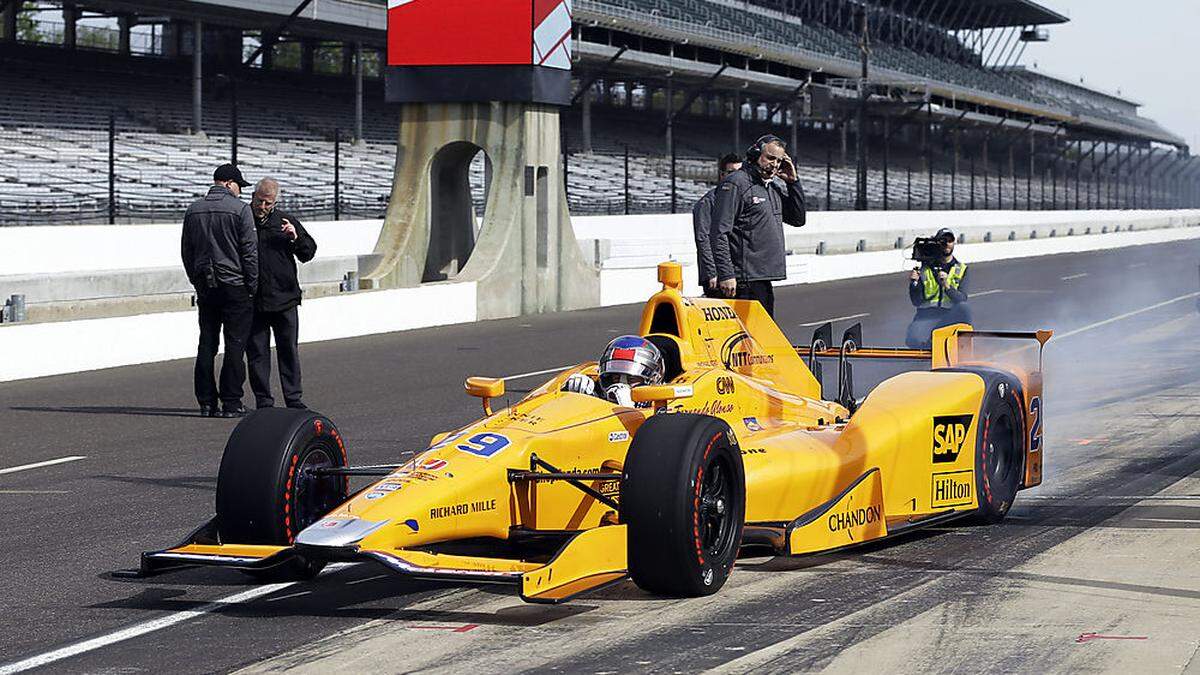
<point>208,411</point>
<point>238,411</point>
<point>298,405</point>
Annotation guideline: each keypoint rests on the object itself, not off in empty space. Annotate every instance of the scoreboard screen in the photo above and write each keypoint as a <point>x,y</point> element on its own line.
<point>479,33</point>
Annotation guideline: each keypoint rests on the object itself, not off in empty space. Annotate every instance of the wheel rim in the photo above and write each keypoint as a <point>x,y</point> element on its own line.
<point>1000,451</point>
<point>716,509</point>
<point>315,495</point>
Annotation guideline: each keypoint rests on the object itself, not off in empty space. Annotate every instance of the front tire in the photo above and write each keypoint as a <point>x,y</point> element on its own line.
<point>683,500</point>
<point>266,493</point>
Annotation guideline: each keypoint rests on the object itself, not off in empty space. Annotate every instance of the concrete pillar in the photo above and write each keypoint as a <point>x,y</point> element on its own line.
<point>348,52</point>
<point>124,26</point>
<point>736,105</point>
<point>70,22</point>
<point>268,55</point>
<point>668,108</point>
<point>197,77</point>
<point>525,258</point>
<point>8,22</point>
<point>358,91</point>
<point>586,112</point>
<point>306,55</point>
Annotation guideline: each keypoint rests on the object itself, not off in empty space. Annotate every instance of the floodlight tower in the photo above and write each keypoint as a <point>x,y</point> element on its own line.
<point>490,76</point>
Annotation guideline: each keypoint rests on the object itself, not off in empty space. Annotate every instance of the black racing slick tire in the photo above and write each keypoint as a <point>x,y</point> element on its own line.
<point>683,500</point>
<point>266,493</point>
<point>1000,448</point>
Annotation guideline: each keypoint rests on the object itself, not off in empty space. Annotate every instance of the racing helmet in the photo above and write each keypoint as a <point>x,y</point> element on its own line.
<point>631,360</point>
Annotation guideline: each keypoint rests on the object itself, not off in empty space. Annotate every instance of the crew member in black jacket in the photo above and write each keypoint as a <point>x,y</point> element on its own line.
<point>220,255</point>
<point>282,240</point>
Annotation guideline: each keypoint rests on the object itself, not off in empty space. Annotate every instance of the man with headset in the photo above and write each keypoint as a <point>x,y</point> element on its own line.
<point>752,204</point>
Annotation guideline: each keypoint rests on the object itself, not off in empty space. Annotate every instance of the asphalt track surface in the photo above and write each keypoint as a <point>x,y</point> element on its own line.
<point>150,463</point>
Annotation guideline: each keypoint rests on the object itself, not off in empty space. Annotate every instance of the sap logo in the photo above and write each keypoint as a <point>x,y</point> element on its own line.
<point>719,314</point>
<point>949,434</point>
<point>724,385</point>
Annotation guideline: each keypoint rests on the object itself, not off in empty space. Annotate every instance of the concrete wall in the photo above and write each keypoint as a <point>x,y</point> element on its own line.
<point>631,249</point>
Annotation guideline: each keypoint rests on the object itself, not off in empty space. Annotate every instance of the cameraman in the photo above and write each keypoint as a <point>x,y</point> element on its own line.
<point>938,289</point>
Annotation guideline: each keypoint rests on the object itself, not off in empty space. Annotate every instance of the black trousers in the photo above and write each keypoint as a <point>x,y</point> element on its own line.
<point>762,291</point>
<point>713,292</point>
<point>286,326</point>
<point>925,321</point>
<point>228,310</point>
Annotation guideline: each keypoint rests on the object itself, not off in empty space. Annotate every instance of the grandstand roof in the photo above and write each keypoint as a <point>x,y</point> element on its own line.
<point>975,14</point>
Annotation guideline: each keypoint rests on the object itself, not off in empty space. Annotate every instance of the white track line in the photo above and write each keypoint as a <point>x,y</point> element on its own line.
<point>1126,315</point>
<point>137,630</point>
<point>38,465</point>
<point>1074,276</point>
<point>991,292</point>
<point>838,318</point>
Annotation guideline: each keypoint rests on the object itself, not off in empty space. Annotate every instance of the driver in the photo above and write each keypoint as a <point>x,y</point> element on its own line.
<point>629,361</point>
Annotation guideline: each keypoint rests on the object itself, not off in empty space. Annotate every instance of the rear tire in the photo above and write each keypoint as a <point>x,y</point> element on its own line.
<point>1000,450</point>
<point>683,500</point>
<point>265,493</point>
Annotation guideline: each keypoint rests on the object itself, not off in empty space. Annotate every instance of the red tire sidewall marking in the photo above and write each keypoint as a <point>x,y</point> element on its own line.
<point>696,499</point>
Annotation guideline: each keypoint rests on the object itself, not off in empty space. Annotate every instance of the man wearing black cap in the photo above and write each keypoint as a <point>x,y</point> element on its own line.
<point>220,255</point>
<point>938,289</point>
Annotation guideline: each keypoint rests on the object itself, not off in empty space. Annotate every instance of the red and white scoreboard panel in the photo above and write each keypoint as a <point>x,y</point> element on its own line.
<point>479,33</point>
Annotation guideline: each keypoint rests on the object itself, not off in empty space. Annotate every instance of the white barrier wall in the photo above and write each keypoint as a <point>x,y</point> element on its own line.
<point>40,349</point>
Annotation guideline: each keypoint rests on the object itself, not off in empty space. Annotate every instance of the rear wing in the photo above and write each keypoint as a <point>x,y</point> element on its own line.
<point>951,346</point>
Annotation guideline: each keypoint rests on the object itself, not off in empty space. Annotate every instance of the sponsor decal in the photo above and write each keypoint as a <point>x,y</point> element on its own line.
<point>484,445</point>
<point>724,385</point>
<point>712,408</point>
<point>524,418</point>
<point>758,200</point>
<point>752,423</point>
<point>949,434</point>
<point>853,517</point>
<point>376,495</point>
<point>448,440</point>
<point>333,522</point>
<point>952,488</point>
<point>684,391</point>
<point>618,436</point>
<point>412,524</point>
<point>719,314</point>
<point>387,487</point>
<point>754,451</point>
<point>738,352</point>
<point>462,509</point>
<point>432,465</point>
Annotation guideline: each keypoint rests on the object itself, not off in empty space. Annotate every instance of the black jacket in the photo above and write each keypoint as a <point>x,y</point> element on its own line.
<point>218,242</point>
<point>747,225</point>
<point>278,287</point>
<point>702,226</point>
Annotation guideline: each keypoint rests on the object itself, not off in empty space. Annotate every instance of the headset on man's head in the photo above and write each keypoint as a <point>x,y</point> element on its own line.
<point>755,151</point>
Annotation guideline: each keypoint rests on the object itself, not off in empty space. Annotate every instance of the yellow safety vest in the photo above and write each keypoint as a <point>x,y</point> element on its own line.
<point>932,292</point>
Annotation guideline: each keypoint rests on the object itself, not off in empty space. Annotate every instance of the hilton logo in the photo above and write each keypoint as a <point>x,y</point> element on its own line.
<point>952,489</point>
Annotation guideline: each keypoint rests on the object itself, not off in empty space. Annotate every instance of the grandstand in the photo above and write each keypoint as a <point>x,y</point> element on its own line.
<point>118,110</point>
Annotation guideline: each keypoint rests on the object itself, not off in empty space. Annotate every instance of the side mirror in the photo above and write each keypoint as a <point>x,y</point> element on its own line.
<point>486,388</point>
<point>659,395</point>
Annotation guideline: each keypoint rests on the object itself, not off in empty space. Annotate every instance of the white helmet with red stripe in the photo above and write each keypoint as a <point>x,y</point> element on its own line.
<point>631,360</point>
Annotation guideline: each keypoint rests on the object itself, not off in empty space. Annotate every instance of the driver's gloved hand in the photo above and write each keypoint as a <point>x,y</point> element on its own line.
<point>580,384</point>
<point>620,393</point>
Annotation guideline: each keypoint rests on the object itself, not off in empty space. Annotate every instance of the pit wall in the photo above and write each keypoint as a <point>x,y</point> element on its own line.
<point>626,247</point>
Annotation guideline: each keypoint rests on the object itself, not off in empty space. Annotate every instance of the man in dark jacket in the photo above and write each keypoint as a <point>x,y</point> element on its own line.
<point>702,225</point>
<point>220,256</point>
<point>282,240</point>
<point>752,205</point>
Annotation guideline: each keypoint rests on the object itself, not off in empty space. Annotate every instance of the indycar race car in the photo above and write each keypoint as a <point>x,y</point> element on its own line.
<point>563,492</point>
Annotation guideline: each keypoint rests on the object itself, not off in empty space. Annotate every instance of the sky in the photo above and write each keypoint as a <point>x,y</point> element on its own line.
<point>1144,48</point>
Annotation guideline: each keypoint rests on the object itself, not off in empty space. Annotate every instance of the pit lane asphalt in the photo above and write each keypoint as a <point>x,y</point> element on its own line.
<point>150,472</point>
